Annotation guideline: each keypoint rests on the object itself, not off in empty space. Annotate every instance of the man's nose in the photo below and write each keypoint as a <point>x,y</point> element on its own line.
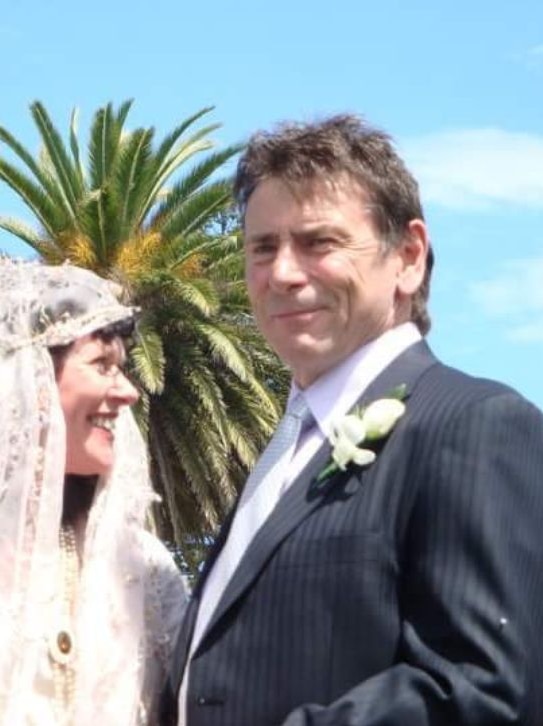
<point>288,268</point>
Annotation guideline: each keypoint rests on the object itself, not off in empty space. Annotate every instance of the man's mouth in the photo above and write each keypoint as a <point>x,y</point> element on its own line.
<point>295,313</point>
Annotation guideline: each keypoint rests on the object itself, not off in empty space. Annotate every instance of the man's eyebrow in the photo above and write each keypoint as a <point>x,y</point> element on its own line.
<point>303,231</point>
<point>261,238</point>
<point>320,229</point>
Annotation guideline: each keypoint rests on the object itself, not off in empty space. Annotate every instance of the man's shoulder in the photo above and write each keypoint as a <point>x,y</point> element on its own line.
<point>478,385</point>
<point>456,389</point>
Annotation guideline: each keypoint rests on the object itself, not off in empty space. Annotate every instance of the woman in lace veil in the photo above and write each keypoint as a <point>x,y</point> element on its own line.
<point>89,601</point>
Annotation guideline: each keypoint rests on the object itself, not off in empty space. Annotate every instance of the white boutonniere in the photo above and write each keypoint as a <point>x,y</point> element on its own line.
<point>364,425</point>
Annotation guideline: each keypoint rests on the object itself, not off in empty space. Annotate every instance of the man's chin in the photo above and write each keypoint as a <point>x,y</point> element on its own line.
<point>309,362</point>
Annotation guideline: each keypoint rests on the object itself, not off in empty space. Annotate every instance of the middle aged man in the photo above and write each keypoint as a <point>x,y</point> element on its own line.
<point>404,588</point>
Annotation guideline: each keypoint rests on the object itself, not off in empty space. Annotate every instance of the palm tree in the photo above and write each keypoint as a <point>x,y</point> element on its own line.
<point>202,368</point>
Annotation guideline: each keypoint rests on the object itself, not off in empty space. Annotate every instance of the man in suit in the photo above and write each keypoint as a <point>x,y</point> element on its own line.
<point>402,590</point>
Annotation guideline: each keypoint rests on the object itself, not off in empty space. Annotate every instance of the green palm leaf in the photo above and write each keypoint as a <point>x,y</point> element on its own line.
<point>51,216</point>
<point>74,146</point>
<point>147,358</point>
<point>67,177</point>
<point>130,181</point>
<point>209,386</point>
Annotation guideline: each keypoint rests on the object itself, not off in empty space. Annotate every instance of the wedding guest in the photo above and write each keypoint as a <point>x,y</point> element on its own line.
<point>90,601</point>
<point>384,566</point>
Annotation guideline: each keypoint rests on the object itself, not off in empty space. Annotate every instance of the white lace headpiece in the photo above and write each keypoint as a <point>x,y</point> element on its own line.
<point>41,307</point>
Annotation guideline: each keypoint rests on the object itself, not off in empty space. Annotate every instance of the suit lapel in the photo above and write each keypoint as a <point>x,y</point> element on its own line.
<point>301,499</point>
<point>216,548</point>
<point>293,507</point>
<point>189,619</point>
<point>406,369</point>
<point>181,649</point>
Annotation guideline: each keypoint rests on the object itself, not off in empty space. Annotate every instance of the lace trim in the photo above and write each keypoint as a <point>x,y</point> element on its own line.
<point>65,330</point>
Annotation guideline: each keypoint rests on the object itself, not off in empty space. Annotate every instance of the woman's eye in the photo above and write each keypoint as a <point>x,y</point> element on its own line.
<point>104,366</point>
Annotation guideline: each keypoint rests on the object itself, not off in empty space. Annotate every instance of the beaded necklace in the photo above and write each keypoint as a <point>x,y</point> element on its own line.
<point>61,641</point>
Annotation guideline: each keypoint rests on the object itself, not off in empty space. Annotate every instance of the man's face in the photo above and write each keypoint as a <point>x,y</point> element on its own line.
<point>318,279</point>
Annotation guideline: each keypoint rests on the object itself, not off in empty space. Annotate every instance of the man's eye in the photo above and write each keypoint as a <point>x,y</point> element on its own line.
<point>320,243</point>
<point>262,252</point>
<point>264,248</point>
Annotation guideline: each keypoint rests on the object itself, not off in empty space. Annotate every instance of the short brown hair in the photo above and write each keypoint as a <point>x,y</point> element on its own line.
<point>345,144</point>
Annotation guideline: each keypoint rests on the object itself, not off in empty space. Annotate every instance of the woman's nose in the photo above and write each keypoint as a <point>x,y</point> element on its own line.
<point>124,390</point>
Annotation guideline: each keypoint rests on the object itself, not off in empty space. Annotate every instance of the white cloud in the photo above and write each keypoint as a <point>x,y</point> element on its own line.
<point>515,296</point>
<point>478,168</point>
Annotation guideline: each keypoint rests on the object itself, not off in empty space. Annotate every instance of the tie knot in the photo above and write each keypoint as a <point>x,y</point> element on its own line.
<point>299,409</point>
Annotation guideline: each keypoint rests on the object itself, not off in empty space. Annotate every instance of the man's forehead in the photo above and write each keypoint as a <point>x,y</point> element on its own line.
<point>324,185</point>
<point>316,200</point>
<point>325,191</point>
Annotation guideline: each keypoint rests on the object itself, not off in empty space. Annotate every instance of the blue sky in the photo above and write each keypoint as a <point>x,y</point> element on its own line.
<point>458,84</point>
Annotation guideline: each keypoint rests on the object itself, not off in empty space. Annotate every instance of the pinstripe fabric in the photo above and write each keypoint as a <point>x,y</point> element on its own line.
<point>409,593</point>
<point>259,496</point>
<point>257,500</point>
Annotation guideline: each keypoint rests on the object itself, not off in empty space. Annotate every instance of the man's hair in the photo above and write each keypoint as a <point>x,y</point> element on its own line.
<point>300,154</point>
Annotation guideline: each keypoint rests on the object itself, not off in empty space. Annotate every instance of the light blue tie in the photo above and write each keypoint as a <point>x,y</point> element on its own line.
<point>264,483</point>
<point>259,497</point>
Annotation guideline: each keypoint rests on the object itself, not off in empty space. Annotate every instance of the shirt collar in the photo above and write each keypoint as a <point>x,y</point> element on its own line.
<point>334,393</point>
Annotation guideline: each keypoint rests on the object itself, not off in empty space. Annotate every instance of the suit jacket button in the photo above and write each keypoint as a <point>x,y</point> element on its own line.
<point>209,701</point>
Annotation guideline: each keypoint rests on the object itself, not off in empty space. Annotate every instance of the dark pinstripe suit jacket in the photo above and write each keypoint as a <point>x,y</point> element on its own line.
<point>408,593</point>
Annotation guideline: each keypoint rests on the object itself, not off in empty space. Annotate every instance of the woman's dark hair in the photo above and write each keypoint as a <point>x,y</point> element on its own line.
<point>78,496</point>
<point>122,329</point>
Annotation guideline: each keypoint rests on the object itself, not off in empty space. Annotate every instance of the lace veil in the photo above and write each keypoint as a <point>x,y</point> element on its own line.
<point>40,307</point>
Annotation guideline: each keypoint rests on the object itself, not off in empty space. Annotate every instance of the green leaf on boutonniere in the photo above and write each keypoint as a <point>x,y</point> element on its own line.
<point>399,392</point>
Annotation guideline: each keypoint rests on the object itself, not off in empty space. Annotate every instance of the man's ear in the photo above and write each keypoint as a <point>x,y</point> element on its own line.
<point>413,251</point>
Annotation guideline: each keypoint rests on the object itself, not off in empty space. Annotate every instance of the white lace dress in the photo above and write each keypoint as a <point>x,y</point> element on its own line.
<point>164,600</point>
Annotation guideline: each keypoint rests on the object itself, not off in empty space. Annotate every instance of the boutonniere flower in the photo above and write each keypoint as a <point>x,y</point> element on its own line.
<point>364,425</point>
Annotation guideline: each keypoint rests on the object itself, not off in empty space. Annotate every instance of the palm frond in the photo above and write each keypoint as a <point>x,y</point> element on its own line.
<point>187,215</point>
<point>74,146</point>
<point>130,181</point>
<point>50,215</point>
<point>170,140</point>
<point>104,142</point>
<point>194,180</point>
<point>42,179</point>
<point>209,386</point>
<point>24,155</point>
<point>193,455</point>
<point>122,113</point>
<point>104,147</point>
<point>148,360</point>
<point>22,231</point>
<point>223,350</point>
<point>199,294</point>
<point>67,176</point>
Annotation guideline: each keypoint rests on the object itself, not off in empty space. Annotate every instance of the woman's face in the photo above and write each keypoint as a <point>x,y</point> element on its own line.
<point>92,388</point>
